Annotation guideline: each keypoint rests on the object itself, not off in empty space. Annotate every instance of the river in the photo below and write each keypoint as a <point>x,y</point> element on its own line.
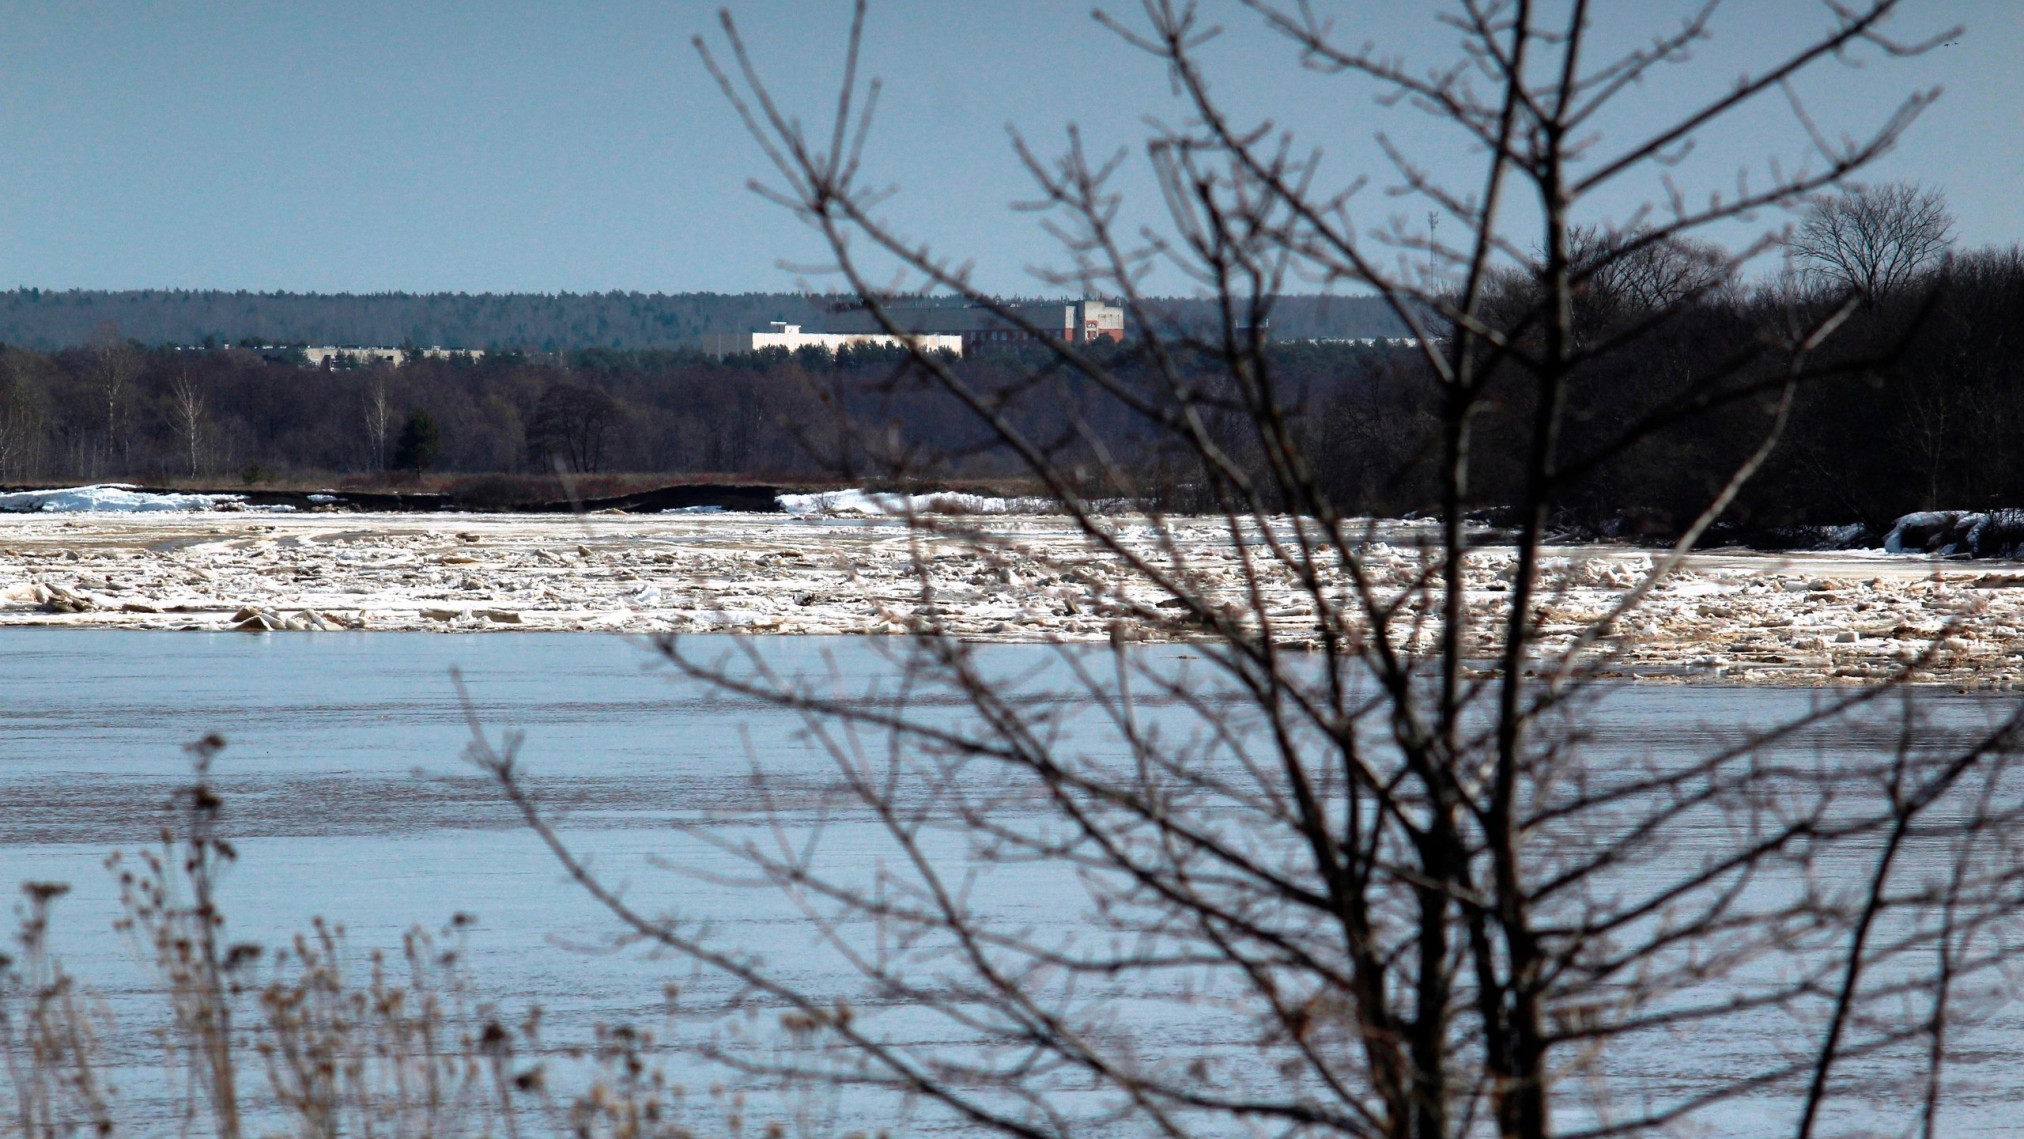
<point>347,798</point>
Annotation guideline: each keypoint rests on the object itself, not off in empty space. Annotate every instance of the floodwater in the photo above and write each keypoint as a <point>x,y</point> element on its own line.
<point>347,798</point>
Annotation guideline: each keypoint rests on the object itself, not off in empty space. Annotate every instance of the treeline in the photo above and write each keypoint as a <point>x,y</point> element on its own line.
<point>51,320</point>
<point>1915,402</point>
<point>1919,404</point>
<point>118,411</point>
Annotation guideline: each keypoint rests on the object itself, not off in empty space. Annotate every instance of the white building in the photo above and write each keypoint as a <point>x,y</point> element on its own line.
<point>394,356</point>
<point>790,337</point>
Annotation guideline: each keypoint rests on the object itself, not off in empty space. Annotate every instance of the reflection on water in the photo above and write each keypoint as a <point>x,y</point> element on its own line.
<point>347,798</point>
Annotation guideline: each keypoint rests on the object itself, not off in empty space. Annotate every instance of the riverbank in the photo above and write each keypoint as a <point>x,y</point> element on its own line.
<point>1727,616</point>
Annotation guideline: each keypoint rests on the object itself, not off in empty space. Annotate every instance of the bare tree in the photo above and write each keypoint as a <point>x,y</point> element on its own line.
<point>573,424</point>
<point>379,420</point>
<point>1350,870</point>
<point>21,422</point>
<point>186,412</point>
<point>1874,240</point>
<point>1647,274</point>
<point>115,366</point>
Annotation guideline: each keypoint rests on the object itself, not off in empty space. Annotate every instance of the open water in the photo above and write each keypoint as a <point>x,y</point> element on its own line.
<point>347,797</point>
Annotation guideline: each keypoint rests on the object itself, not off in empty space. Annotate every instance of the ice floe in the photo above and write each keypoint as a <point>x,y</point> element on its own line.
<point>109,498</point>
<point>1950,533</point>
<point>1730,617</point>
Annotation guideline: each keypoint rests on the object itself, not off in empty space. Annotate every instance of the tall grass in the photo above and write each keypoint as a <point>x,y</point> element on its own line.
<point>314,1038</point>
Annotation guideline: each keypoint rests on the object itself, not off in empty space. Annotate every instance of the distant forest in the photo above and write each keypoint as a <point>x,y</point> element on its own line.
<point>1927,410</point>
<point>50,320</point>
<point>1922,406</point>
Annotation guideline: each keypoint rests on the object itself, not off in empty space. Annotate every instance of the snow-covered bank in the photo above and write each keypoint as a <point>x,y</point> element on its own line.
<point>125,498</point>
<point>875,504</point>
<point>122,498</point>
<point>1736,617</point>
<point>1959,533</point>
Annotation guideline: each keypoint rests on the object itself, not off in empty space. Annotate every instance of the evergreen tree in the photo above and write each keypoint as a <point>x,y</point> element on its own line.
<point>420,441</point>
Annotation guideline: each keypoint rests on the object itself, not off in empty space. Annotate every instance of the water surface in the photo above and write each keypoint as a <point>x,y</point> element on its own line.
<point>347,797</point>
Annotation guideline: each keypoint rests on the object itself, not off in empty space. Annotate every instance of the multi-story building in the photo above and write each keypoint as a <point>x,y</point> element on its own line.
<point>1082,320</point>
<point>321,355</point>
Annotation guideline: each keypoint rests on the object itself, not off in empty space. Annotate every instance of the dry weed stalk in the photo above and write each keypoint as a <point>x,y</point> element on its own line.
<point>404,1048</point>
<point>182,937</point>
<point>50,1033</point>
<point>406,1054</point>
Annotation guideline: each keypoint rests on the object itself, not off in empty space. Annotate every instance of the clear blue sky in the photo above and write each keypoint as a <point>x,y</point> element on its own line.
<point>365,145</point>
